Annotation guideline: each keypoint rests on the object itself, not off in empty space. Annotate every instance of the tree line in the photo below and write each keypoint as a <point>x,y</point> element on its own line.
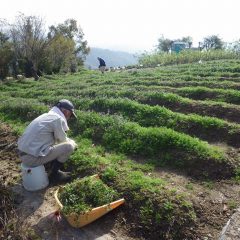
<point>212,42</point>
<point>27,48</point>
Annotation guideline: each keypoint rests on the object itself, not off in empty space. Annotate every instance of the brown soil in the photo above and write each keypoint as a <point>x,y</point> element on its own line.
<point>214,203</point>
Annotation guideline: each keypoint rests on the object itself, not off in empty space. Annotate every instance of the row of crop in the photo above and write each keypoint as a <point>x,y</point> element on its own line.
<point>177,103</point>
<point>201,93</point>
<point>206,128</point>
<point>148,95</point>
<point>226,65</point>
<point>217,71</point>
<point>202,70</point>
<point>165,145</point>
<point>56,89</point>
<point>35,89</point>
<point>153,205</point>
<point>198,93</point>
<point>171,101</point>
<point>155,74</point>
<point>151,96</point>
<point>156,207</point>
<point>176,83</point>
<point>188,72</point>
<point>184,57</point>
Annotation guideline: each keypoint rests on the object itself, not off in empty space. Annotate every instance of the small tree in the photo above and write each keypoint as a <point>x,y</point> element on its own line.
<point>29,41</point>
<point>212,42</point>
<point>235,46</point>
<point>59,53</point>
<point>70,30</point>
<point>164,44</point>
<point>31,50</point>
<point>188,40</point>
<point>6,55</point>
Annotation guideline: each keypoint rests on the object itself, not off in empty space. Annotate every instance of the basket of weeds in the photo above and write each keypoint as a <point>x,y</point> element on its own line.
<point>85,200</point>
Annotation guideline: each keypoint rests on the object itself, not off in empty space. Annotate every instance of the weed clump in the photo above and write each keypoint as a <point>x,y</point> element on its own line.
<point>82,195</point>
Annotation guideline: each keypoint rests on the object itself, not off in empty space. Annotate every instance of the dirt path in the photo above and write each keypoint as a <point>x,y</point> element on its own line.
<point>37,207</point>
<point>214,203</point>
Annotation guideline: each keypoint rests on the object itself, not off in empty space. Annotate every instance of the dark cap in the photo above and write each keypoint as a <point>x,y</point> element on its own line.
<point>66,104</point>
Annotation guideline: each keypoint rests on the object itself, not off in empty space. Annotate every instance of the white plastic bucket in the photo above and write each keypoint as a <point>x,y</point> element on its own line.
<point>34,178</point>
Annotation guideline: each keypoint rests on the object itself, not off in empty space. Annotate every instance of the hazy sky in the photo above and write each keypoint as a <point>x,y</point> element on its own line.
<point>135,25</point>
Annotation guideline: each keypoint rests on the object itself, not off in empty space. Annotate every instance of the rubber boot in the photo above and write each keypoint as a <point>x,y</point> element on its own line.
<point>57,175</point>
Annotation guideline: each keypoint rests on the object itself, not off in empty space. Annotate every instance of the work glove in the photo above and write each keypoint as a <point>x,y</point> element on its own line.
<point>73,143</point>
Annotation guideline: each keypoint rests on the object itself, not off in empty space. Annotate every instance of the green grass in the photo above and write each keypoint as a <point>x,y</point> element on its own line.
<point>200,93</point>
<point>83,195</point>
<point>206,128</point>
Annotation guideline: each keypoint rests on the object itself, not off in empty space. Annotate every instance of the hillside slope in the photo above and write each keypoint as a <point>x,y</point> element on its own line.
<point>165,138</point>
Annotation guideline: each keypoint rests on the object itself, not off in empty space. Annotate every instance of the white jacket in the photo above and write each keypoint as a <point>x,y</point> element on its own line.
<point>43,132</point>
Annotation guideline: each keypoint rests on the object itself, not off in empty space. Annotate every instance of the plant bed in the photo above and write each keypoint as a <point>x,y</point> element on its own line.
<point>85,200</point>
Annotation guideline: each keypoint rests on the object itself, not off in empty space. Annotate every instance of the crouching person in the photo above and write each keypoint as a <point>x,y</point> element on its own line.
<point>45,140</point>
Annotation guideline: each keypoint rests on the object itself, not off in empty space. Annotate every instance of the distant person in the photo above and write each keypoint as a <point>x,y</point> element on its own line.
<point>102,64</point>
<point>45,140</point>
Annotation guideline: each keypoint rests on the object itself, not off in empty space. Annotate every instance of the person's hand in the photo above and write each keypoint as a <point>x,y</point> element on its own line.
<point>73,143</point>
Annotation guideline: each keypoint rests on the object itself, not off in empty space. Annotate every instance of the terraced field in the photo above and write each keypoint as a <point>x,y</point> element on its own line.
<point>165,138</point>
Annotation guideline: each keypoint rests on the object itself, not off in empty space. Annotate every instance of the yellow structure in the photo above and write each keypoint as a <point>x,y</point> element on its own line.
<point>79,220</point>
